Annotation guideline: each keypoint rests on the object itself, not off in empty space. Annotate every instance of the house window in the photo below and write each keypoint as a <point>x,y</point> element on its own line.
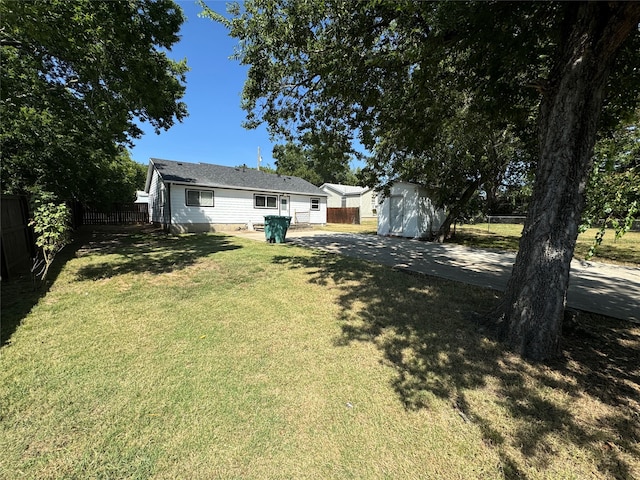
<point>199,198</point>
<point>315,204</point>
<point>265,201</point>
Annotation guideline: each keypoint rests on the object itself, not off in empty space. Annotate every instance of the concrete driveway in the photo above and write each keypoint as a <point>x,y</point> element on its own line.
<point>594,287</point>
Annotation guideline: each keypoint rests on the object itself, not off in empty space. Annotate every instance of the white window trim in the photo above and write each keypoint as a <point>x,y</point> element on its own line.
<point>199,204</point>
<point>266,206</point>
<point>317,205</point>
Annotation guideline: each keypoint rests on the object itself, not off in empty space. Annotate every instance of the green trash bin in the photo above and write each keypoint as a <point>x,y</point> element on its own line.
<point>275,228</point>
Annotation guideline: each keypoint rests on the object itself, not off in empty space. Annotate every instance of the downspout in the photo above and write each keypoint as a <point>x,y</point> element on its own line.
<point>169,205</point>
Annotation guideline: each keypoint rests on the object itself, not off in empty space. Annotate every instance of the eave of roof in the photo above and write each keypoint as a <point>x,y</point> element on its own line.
<point>345,190</point>
<point>235,178</point>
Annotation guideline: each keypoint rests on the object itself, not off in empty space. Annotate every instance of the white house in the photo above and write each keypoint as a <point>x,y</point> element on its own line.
<point>202,197</point>
<point>352,196</point>
<point>408,212</point>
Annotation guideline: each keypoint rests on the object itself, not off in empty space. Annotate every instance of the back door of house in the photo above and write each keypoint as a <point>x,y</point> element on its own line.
<point>396,214</point>
<point>284,205</point>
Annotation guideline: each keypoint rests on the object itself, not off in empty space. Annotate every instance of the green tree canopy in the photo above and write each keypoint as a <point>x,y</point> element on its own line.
<point>468,153</point>
<point>392,73</point>
<point>77,78</point>
<point>319,158</point>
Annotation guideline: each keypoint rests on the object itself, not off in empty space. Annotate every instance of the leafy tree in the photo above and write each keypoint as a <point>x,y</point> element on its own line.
<point>390,66</point>
<point>613,193</point>
<point>291,160</point>
<point>118,182</point>
<point>77,77</point>
<point>263,168</point>
<point>581,68</point>
<point>469,153</point>
<point>51,223</point>
<point>511,198</point>
<point>317,160</point>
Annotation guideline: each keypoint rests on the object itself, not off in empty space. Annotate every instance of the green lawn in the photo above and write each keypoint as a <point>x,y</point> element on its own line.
<point>624,251</point>
<point>212,356</point>
<point>368,226</point>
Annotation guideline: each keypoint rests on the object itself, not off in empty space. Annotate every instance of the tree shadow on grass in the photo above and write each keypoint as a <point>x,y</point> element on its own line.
<point>126,249</point>
<point>146,251</point>
<point>21,294</point>
<point>423,326</point>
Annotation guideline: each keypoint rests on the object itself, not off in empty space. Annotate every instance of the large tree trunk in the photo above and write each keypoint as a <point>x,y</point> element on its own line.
<point>533,305</point>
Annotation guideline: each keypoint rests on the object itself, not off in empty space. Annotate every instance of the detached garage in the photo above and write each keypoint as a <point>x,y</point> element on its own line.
<point>408,212</point>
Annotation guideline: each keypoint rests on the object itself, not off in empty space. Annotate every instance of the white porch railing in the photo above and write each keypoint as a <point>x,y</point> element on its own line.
<point>302,217</point>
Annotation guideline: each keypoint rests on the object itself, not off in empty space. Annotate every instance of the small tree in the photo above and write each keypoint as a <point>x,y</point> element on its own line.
<point>613,192</point>
<point>51,223</point>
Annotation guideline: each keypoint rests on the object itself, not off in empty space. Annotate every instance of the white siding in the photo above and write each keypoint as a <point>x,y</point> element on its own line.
<point>367,204</point>
<point>363,201</point>
<point>156,199</point>
<point>230,206</point>
<point>429,219</point>
<point>234,207</point>
<point>419,216</point>
<point>334,200</point>
<point>302,203</point>
<point>352,201</point>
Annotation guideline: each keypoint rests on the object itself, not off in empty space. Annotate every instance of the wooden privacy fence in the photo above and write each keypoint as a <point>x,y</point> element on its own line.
<point>17,245</point>
<point>16,238</point>
<point>121,214</point>
<point>343,215</point>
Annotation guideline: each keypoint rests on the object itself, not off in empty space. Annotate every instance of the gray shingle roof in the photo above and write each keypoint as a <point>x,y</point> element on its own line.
<point>209,175</point>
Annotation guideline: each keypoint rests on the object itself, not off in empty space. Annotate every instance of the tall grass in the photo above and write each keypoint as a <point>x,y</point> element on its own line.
<point>208,356</point>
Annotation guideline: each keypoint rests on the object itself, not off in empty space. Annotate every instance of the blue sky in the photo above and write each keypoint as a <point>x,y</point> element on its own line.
<point>212,133</point>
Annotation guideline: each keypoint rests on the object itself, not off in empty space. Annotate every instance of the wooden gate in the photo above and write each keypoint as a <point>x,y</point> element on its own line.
<point>343,215</point>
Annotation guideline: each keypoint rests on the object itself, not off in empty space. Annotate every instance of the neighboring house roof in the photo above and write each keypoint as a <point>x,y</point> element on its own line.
<point>239,178</point>
<point>141,197</point>
<point>344,190</point>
